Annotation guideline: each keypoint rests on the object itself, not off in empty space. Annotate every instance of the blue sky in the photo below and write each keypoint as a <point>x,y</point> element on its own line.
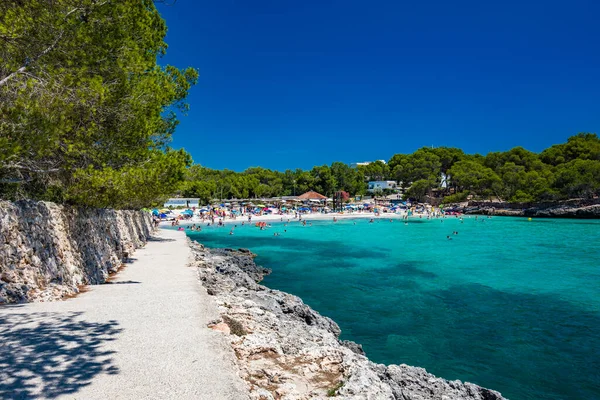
<point>293,84</point>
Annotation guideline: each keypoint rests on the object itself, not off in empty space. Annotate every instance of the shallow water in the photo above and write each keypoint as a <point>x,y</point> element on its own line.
<point>509,304</point>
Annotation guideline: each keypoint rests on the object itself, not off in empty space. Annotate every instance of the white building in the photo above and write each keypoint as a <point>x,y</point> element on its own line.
<point>376,186</point>
<point>182,202</point>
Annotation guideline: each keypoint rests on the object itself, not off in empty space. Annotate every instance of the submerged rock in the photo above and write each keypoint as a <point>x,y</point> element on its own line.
<point>286,350</point>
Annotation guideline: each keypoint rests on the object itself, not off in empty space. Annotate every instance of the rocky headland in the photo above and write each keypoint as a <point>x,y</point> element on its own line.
<point>576,208</point>
<point>286,350</point>
<point>48,251</point>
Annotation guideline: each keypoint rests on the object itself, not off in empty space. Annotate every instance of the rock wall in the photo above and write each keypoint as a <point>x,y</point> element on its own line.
<point>48,251</point>
<point>286,350</point>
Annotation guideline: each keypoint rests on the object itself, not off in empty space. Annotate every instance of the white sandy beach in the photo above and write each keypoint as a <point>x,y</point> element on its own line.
<point>307,217</point>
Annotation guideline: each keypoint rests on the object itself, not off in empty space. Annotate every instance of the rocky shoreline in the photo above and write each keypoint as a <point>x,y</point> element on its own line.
<point>286,350</point>
<point>576,208</point>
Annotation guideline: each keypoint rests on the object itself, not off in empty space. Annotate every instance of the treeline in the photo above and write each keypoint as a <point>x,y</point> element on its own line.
<point>86,113</point>
<point>568,170</point>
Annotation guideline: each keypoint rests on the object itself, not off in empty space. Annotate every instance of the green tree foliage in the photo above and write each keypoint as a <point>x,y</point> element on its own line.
<point>579,178</point>
<point>257,182</point>
<point>584,146</point>
<point>375,171</point>
<point>86,111</point>
<point>517,175</point>
<point>419,190</point>
<point>472,176</point>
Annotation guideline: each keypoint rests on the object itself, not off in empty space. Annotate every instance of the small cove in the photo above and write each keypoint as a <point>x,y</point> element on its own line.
<point>509,304</point>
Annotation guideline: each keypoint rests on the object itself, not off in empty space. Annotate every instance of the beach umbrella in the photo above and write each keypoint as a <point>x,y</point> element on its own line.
<point>260,205</point>
<point>155,212</point>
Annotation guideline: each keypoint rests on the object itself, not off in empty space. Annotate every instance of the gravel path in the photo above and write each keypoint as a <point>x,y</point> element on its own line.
<point>143,336</point>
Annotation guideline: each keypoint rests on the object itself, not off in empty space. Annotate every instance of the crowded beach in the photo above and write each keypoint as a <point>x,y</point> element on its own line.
<point>310,206</point>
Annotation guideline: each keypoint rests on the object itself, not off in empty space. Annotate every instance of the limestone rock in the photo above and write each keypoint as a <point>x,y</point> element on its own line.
<point>286,350</point>
<point>48,251</point>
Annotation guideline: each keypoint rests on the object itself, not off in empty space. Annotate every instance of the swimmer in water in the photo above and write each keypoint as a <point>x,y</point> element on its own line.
<point>231,232</point>
<point>371,221</point>
<point>448,237</point>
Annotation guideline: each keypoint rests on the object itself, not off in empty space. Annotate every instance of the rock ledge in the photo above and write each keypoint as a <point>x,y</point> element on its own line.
<point>286,350</point>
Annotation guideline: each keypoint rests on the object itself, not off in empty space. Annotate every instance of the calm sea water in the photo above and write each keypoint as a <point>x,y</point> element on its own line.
<point>509,304</point>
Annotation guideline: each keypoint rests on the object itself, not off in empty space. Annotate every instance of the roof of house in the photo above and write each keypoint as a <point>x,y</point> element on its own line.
<point>312,195</point>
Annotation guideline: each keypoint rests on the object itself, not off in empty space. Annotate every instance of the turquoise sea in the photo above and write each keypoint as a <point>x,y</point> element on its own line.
<point>509,304</point>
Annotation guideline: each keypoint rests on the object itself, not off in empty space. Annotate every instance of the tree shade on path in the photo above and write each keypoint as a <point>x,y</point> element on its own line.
<point>144,335</point>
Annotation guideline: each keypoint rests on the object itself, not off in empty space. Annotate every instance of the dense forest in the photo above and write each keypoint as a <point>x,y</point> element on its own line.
<point>87,114</point>
<point>568,170</point>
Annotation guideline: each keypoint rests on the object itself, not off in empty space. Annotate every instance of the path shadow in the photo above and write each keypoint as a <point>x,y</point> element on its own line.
<point>159,239</point>
<point>51,354</point>
<point>120,282</point>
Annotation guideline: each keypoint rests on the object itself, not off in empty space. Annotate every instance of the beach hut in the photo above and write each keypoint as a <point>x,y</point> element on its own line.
<point>312,195</point>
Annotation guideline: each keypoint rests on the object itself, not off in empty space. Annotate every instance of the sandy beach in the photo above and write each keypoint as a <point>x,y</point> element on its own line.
<point>305,217</point>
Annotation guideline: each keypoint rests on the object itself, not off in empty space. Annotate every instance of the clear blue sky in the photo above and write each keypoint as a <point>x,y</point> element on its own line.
<point>287,84</point>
